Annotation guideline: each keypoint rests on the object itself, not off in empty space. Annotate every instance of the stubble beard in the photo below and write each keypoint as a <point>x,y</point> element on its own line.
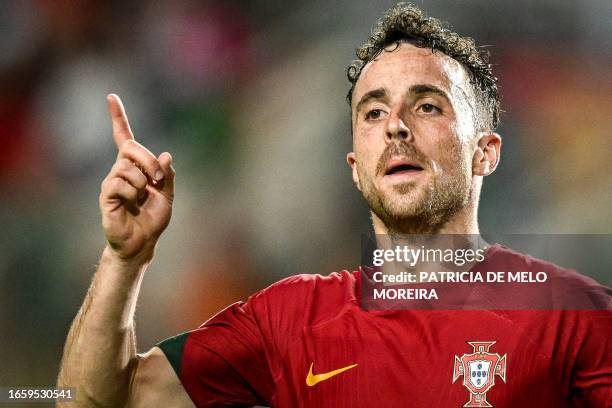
<point>414,209</point>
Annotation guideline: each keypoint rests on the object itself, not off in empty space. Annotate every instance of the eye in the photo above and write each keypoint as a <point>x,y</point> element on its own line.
<point>373,114</point>
<point>428,108</point>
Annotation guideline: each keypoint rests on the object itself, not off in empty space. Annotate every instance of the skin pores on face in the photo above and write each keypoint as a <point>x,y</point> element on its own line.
<point>413,105</point>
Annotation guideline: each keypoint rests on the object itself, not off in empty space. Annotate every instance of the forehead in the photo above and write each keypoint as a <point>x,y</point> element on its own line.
<point>399,67</point>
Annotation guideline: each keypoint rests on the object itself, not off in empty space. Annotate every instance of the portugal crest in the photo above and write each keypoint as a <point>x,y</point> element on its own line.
<point>479,370</point>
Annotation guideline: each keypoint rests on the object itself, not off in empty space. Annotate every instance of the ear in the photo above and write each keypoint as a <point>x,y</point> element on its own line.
<point>487,154</point>
<point>352,162</point>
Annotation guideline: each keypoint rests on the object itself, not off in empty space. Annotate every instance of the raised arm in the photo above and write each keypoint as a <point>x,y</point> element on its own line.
<point>100,359</point>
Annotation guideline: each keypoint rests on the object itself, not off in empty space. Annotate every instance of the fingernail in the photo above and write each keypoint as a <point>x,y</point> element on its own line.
<point>159,175</point>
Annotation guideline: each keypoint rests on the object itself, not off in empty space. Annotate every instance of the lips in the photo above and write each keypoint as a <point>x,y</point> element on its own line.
<point>398,166</point>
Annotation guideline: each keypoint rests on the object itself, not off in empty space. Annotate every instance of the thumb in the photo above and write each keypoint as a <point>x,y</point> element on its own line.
<point>167,183</point>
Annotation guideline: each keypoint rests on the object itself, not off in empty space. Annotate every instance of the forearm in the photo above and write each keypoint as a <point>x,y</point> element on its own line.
<point>100,351</point>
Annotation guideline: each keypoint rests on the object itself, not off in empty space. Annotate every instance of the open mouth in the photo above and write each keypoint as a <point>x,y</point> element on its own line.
<point>398,167</point>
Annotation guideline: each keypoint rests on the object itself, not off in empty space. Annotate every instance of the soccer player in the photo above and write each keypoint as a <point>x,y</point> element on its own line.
<point>424,106</point>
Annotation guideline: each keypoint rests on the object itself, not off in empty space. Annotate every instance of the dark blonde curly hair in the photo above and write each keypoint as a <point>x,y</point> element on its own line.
<point>406,22</point>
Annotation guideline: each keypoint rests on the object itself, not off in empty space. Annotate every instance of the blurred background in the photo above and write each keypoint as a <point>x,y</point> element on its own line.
<point>249,97</point>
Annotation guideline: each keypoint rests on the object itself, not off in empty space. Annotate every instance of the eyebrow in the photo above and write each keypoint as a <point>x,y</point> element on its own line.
<point>428,89</point>
<point>380,93</point>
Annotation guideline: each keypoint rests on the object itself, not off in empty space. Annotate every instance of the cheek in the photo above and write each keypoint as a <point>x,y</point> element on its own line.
<point>455,161</point>
<point>368,148</point>
<point>442,146</point>
<point>434,139</point>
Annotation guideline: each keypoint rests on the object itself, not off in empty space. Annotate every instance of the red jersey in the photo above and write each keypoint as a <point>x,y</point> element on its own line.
<point>306,342</point>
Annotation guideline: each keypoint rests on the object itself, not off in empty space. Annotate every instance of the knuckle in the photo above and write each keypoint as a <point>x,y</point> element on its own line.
<point>116,183</point>
<point>107,182</point>
<point>140,173</point>
<point>130,193</point>
<point>121,165</point>
<point>141,180</point>
<point>133,172</point>
<point>124,164</point>
<point>128,146</point>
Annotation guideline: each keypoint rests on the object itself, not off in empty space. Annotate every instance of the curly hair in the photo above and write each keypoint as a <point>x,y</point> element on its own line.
<point>406,22</point>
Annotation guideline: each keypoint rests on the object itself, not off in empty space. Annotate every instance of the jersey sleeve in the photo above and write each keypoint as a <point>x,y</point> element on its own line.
<point>223,362</point>
<point>237,357</point>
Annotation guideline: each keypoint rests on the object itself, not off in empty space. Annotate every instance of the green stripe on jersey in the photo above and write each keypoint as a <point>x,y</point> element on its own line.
<point>173,349</point>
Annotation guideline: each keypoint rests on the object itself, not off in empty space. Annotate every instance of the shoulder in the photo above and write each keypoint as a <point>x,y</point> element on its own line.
<point>289,304</point>
<point>512,260</point>
<point>307,285</point>
<point>307,298</point>
<point>568,288</point>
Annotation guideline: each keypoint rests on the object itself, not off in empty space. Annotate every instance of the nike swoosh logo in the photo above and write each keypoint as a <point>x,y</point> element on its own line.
<point>314,379</point>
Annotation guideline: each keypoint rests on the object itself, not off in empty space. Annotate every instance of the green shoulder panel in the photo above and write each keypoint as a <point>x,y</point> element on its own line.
<point>173,349</point>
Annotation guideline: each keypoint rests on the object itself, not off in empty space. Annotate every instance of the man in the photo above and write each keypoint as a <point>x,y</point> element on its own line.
<point>424,107</point>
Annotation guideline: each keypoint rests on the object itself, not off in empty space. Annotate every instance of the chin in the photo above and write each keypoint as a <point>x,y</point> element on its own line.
<point>405,198</point>
<point>405,206</point>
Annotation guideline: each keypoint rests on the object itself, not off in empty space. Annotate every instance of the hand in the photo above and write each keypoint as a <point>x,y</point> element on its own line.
<point>136,196</point>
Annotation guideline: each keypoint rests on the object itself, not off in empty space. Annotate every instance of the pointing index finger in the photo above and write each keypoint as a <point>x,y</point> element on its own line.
<point>121,126</point>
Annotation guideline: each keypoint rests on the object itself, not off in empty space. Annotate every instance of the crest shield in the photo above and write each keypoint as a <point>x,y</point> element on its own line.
<point>479,369</point>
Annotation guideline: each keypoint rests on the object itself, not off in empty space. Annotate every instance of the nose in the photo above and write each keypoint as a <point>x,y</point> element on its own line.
<point>396,128</point>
